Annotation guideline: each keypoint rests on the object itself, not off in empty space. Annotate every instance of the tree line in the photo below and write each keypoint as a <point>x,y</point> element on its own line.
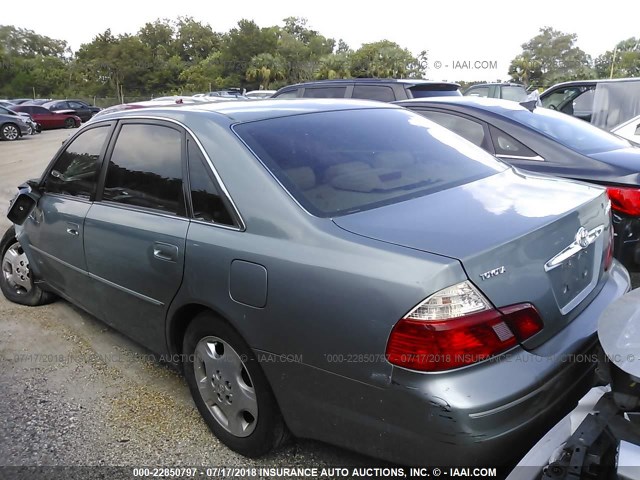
<point>185,56</point>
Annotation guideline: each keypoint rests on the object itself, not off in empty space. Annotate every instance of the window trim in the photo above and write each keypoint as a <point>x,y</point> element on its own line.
<point>536,158</point>
<point>187,185</point>
<point>110,128</point>
<point>241,227</point>
<point>105,167</point>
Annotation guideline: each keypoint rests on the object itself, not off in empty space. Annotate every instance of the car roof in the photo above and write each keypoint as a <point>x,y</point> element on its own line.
<point>406,81</point>
<point>479,103</point>
<point>251,110</point>
<point>511,84</point>
<point>591,82</point>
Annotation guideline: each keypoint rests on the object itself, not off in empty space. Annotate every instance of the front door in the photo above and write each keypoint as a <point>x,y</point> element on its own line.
<point>54,230</point>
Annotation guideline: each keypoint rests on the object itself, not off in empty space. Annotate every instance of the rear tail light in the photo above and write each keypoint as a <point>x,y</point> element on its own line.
<point>456,327</point>
<point>625,200</point>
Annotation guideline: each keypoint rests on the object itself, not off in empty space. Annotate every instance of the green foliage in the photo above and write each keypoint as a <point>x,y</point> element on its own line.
<point>26,43</point>
<point>384,59</point>
<point>184,55</point>
<point>551,57</point>
<point>626,62</point>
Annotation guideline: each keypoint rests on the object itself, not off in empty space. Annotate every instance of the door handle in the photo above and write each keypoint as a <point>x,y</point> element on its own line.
<point>165,251</point>
<point>73,229</point>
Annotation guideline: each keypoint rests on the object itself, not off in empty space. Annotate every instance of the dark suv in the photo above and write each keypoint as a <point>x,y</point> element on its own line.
<point>382,89</point>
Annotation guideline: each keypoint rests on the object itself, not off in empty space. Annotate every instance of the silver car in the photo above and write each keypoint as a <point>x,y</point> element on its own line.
<point>346,271</point>
<point>12,127</point>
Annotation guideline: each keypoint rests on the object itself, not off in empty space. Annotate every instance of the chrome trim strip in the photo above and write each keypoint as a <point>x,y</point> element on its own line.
<point>62,262</point>
<point>223,187</point>
<point>537,158</point>
<point>153,301</point>
<point>574,248</point>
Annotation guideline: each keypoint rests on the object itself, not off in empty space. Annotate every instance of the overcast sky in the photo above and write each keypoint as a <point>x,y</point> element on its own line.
<point>452,32</point>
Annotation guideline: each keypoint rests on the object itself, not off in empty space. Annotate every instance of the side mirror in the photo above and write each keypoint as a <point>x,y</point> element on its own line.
<point>23,205</point>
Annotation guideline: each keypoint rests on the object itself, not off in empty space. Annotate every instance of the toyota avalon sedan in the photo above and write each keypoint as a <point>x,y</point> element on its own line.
<point>544,141</point>
<point>346,271</point>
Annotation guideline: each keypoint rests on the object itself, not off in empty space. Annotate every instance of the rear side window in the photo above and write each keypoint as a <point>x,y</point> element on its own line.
<point>373,92</point>
<point>325,92</point>
<point>472,131</point>
<point>76,170</point>
<point>207,202</point>
<point>334,163</point>
<point>507,146</point>
<point>145,169</point>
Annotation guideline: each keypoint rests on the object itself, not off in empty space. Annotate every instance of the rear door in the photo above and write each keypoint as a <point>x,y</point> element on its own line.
<point>135,233</point>
<point>56,226</point>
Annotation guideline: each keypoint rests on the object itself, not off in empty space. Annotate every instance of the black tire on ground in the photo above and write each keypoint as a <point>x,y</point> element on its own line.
<point>69,123</point>
<point>35,295</point>
<point>9,131</point>
<point>269,431</point>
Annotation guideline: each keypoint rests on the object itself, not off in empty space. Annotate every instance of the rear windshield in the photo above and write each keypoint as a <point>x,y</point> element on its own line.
<point>576,134</point>
<point>339,162</point>
<point>435,90</point>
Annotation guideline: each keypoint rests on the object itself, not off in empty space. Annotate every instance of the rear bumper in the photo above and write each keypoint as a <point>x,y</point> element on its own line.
<point>487,414</point>
<point>627,241</point>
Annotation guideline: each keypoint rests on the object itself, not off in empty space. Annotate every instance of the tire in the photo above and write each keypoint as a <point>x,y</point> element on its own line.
<point>229,388</point>
<point>16,282</point>
<point>69,123</point>
<point>9,131</point>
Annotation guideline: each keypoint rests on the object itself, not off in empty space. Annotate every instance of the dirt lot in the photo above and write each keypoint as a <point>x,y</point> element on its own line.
<point>75,392</point>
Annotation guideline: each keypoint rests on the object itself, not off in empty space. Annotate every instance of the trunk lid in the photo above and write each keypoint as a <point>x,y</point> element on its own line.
<point>505,230</point>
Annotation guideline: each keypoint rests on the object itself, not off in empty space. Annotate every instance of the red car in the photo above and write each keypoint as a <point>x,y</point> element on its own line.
<point>47,118</point>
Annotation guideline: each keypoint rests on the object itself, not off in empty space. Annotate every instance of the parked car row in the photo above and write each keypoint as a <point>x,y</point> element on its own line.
<point>43,114</point>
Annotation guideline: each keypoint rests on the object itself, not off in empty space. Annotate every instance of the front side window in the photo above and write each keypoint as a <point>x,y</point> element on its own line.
<point>76,170</point>
<point>288,94</point>
<point>207,202</point>
<point>145,169</point>
<point>335,163</point>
